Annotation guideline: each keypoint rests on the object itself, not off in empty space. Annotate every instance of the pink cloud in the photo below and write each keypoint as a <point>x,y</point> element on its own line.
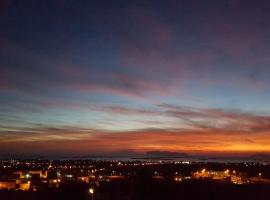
<point>96,141</point>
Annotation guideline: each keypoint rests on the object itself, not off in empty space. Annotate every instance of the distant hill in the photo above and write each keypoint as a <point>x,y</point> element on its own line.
<point>165,154</point>
<point>260,157</point>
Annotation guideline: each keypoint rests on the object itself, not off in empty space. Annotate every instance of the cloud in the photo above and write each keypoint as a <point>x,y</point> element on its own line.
<point>39,75</point>
<point>220,119</point>
<point>113,77</point>
<point>203,130</point>
<point>193,118</point>
<point>95,141</point>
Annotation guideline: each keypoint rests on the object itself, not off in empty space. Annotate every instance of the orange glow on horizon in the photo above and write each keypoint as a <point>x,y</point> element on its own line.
<point>143,141</point>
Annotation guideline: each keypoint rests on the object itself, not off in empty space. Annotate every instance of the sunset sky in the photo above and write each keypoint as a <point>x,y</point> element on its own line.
<point>97,77</point>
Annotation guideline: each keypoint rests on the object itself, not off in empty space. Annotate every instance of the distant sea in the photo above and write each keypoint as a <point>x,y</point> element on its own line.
<point>169,159</point>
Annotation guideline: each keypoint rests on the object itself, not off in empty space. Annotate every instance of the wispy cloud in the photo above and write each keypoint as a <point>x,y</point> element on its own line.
<point>206,130</point>
<point>93,141</point>
<point>166,76</point>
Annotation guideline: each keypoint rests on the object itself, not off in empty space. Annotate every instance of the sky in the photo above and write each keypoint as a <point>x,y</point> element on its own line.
<point>97,77</point>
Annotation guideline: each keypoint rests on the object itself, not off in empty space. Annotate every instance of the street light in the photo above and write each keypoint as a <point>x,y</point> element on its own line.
<point>91,191</point>
<point>27,176</point>
<point>260,175</point>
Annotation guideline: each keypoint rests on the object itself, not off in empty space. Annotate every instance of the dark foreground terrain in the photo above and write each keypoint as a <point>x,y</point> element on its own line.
<point>146,189</point>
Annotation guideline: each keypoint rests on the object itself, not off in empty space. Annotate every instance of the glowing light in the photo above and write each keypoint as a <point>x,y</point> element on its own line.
<point>178,179</point>
<point>27,176</point>
<point>91,191</point>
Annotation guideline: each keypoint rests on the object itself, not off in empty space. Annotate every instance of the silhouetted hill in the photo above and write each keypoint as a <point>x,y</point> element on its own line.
<point>260,157</point>
<point>165,154</point>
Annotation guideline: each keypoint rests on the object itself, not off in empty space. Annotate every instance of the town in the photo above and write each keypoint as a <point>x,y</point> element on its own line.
<point>38,174</point>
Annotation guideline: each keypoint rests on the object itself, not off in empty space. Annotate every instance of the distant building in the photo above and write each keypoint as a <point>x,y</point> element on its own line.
<point>84,179</point>
<point>8,184</point>
<point>37,173</point>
